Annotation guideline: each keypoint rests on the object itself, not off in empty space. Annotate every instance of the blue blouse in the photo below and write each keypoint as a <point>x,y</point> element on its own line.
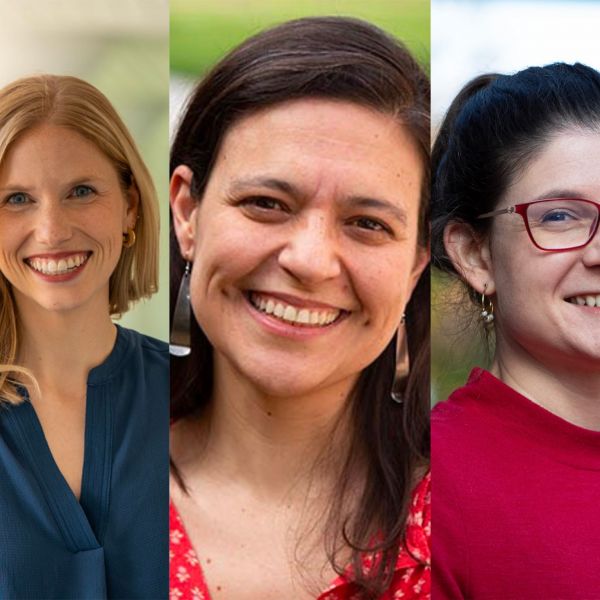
<point>113,542</point>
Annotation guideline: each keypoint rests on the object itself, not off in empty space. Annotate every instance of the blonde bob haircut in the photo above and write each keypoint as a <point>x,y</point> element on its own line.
<point>72,103</point>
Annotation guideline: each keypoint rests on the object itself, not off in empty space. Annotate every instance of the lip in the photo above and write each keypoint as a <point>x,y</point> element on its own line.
<point>57,256</point>
<point>285,329</point>
<point>579,301</point>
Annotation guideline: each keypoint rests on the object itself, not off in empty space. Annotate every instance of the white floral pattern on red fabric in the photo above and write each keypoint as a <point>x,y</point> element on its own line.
<point>412,577</point>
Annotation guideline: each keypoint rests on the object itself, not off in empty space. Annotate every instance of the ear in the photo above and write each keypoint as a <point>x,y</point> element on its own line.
<point>470,254</point>
<point>132,196</point>
<point>183,209</point>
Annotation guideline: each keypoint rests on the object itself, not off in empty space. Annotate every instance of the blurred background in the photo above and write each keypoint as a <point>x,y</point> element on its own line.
<point>121,47</point>
<point>471,37</point>
<point>202,31</point>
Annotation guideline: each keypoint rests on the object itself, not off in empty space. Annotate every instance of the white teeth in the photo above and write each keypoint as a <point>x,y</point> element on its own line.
<point>587,300</point>
<point>57,267</point>
<point>303,316</point>
<point>291,314</point>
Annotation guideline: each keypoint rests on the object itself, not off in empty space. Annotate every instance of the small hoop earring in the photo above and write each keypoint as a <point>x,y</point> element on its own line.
<point>487,308</point>
<point>401,365</point>
<point>129,238</point>
<point>180,339</point>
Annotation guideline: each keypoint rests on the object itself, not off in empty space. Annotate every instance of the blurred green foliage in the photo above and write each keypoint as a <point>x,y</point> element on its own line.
<point>458,339</point>
<point>202,31</point>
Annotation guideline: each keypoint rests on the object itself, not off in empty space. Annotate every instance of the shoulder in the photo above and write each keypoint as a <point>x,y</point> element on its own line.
<point>185,575</point>
<point>412,577</point>
<point>464,412</point>
<point>145,347</point>
<point>418,527</point>
<point>143,368</point>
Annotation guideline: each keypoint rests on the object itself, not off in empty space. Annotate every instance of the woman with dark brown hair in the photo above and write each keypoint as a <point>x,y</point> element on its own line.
<point>516,205</point>
<point>299,196</point>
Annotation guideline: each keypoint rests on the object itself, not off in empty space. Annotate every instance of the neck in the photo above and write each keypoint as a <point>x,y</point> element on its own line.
<point>561,387</point>
<point>272,444</point>
<point>61,347</point>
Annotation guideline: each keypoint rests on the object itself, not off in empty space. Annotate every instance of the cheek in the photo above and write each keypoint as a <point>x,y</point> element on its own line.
<point>382,285</point>
<point>11,240</point>
<point>220,260</point>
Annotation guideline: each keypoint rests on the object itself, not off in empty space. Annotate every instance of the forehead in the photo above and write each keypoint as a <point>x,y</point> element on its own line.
<point>316,138</point>
<point>54,150</point>
<point>567,165</point>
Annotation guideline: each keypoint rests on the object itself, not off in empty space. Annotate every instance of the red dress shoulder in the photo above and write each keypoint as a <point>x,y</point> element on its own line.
<point>412,576</point>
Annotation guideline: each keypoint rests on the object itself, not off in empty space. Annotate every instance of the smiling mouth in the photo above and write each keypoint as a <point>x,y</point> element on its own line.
<point>295,315</point>
<point>585,300</point>
<point>58,266</point>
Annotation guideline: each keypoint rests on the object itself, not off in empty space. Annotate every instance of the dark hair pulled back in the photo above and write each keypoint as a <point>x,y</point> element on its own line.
<point>494,127</point>
<point>348,60</point>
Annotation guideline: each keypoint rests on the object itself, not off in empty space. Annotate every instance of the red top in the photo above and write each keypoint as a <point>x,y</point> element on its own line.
<point>517,491</point>
<point>411,577</point>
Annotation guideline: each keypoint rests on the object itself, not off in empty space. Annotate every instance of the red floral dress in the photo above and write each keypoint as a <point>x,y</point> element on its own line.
<point>412,578</point>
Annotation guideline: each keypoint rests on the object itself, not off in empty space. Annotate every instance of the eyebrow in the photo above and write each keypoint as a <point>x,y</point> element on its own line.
<point>385,205</point>
<point>561,193</point>
<point>281,185</point>
<point>15,187</point>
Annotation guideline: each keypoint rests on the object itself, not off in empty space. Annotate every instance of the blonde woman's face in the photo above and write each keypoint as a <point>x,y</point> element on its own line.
<point>304,245</point>
<point>62,218</point>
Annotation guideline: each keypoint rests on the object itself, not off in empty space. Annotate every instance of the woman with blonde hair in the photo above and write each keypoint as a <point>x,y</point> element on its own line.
<point>83,403</point>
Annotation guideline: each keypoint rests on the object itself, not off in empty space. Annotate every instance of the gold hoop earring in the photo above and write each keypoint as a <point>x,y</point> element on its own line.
<point>129,238</point>
<point>487,308</point>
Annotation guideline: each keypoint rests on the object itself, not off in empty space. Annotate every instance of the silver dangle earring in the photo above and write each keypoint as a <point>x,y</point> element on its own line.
<point>180,343</point>
<point>487,308</point>
<point>402,365</point>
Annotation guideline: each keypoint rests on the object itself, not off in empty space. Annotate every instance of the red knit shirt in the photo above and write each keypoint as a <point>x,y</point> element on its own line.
<point>516,499</point>
<point>411,579</point>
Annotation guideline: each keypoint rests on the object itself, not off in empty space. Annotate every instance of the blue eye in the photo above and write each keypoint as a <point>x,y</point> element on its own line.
<point>18,199</point>
<point>82,191</point>
<point>557,217</point>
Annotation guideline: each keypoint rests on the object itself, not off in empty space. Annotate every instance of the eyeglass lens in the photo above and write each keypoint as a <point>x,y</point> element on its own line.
<point>561,224</point>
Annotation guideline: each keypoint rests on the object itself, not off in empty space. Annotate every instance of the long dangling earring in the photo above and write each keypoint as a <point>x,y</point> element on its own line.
<point>487,308</point>
<point>402,365</point>
<point>180,342</point>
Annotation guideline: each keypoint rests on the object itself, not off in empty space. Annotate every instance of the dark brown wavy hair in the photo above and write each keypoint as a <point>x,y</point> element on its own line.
<point>348,60</point>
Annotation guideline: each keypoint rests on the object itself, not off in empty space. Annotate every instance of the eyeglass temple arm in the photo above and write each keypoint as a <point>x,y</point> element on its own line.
<point>500,211</point>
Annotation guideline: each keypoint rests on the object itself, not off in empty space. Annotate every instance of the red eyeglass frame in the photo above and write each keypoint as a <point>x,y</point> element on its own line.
<point>521,209</point>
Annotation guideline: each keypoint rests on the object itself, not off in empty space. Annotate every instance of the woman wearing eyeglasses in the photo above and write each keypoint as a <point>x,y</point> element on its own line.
<point>516,451</point>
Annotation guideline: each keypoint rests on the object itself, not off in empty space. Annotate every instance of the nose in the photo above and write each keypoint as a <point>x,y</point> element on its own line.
<point>311,253</point>
<point>52,226</point>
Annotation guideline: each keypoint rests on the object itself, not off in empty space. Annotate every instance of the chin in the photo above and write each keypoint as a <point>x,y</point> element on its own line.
<point>284,385</point>
<point>283,381</point>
